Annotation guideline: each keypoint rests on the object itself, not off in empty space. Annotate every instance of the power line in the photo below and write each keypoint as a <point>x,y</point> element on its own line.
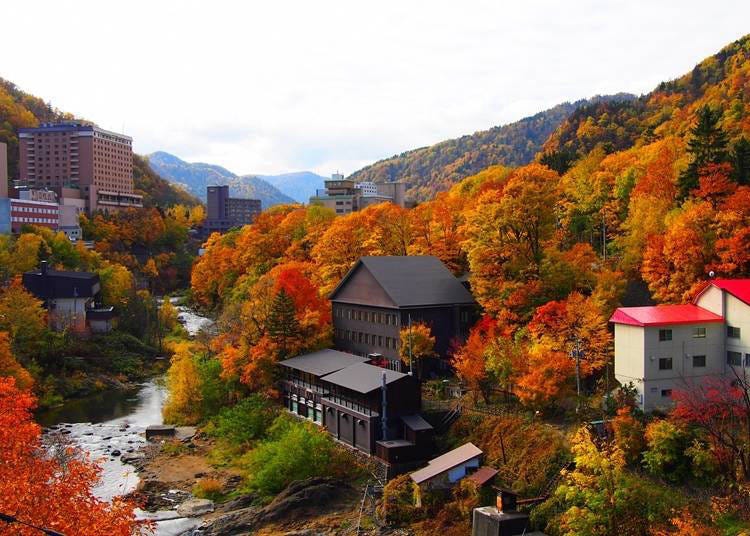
<point>10,519</point>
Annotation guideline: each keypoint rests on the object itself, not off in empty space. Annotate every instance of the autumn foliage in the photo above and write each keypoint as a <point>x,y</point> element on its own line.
<point>53,492</point>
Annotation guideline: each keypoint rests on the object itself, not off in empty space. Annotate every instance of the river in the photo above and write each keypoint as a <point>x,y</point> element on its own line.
<point>116,420</point>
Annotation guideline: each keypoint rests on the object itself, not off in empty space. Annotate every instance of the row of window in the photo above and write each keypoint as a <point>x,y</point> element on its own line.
<point>366,338</point>
<point>20,219</point>
<point>35,210</point>
<point>733,332</point>
<point>367,316</point>
<point>665,363</point>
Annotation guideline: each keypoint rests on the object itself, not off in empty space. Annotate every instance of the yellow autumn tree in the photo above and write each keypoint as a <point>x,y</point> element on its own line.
<point>183,405</point>
<point>417,344</point>
<point>10,367</point>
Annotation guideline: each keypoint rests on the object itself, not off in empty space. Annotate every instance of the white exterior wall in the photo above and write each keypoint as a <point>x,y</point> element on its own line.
<point>682,348</point>
<point>629,352</point>
<point>738,315</point>
<point>712,300</point>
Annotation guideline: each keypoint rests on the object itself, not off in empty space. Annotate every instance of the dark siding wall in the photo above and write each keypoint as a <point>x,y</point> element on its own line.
<point>346,321</point>
<point>445,323</point>
<point>362,288</point>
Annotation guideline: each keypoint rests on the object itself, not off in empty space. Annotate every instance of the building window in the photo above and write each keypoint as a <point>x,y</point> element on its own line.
<point>734,358</point>
<point>666,393</point>
<point>380,341</point>
<point>380,318</point>
<point>699,361</point>
<point>665,334</point>
<point>359,315</point>
<point>747,360</point>
<point>733,332</point>
<point>367,338</point>
<point>359,337</point>
<point>699,333</point>
<point>665,363</point>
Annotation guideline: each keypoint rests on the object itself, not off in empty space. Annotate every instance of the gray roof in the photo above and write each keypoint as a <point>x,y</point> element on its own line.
<point>446,462</point>
<point>363,377</point>
<point>413,280</point>
<point>416,423</point>
<point>323,362</point>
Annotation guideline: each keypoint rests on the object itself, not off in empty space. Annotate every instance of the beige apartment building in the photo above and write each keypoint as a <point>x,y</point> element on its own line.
<point>88,162</point>
<point>660,349</point>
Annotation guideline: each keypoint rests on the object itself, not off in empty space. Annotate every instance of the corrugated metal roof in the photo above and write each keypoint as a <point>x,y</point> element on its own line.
<point>416,423</point>
<point>413,280</point>
<point>323,362</point>
<point>446,462</point>
<point>362,377</point>
<point>664,315</point>
<point>483,475</point>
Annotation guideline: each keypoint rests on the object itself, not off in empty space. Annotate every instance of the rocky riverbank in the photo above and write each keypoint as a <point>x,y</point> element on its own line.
<point>169,470</point>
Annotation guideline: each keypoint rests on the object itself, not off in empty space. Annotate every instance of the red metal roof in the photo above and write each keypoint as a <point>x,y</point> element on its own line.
<point>664,315</point>
<point>739,288</point>
<point>483,475</point>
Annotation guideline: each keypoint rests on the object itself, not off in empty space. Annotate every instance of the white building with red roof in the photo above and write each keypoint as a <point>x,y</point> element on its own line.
<point>665,347</point>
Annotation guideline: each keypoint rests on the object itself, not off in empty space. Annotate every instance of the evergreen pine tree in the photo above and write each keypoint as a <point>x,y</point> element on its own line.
<point>282,325</point>
<point>708,145</point>
<point>741,161</point>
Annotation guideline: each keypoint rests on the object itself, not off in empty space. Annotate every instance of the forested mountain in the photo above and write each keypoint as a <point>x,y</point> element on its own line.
<point>195,177</point>
<point>21,110</point>
<point>436,168</point>
<point>300,185</point>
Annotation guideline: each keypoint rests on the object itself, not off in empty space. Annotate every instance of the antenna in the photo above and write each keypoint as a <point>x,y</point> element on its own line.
<point>384,419</point>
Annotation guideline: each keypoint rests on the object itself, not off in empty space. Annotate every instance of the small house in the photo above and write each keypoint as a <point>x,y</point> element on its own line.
<point>445,471</point>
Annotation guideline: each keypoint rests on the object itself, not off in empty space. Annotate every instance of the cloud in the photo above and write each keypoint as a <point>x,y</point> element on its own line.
<point>270,87</point>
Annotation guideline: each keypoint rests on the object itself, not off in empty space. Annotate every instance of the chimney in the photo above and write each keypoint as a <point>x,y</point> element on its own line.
<point>43,267</point>
<point>506,501</point>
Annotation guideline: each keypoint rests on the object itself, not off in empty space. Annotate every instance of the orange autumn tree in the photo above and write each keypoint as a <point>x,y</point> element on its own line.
<point>53,492</point>
<point>489,359</point>
<point>284,316</point>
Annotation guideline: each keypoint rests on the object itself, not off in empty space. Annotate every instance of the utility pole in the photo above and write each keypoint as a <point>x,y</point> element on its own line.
<point>411,370</point>
<point>577,353</point>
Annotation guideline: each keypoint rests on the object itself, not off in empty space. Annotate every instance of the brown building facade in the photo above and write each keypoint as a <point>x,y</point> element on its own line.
<point>380,295</point>
<point>224,212</point>
<point>95,162</point>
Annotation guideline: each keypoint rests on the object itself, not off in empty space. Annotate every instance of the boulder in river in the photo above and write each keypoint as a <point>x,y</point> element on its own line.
<point>195,507</point>
<point>159,430</point>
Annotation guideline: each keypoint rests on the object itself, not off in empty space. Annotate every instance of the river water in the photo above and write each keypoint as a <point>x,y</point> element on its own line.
<point>116,421</point>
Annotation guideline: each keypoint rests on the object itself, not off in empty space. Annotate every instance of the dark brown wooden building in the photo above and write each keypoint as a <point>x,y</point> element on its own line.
<point>379,295</point>
<point>351,398</point>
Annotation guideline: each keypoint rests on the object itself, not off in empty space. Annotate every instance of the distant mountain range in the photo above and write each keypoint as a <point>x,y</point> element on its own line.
<point>429,170</point>
<point>270,189</point>
<point>300,185</point>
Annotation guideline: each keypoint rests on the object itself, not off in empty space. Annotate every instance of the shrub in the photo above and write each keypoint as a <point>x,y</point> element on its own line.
<point>397,506</point>
<point>247,421</point>
<point>208,488</point>
<point>294,450</point>
<point>665,456</point>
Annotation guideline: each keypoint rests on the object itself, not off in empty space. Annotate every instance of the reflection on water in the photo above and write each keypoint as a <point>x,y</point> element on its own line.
<point>139,406</point>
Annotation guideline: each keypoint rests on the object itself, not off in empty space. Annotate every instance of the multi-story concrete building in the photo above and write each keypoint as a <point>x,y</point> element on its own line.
<point>224,212</point>
<point>95,163</point>
<point>381,295</point>
<point>344,196</point>
<point>662,348</point>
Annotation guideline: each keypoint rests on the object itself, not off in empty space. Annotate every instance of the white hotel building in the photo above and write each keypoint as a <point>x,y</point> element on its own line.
<point>667,347</point>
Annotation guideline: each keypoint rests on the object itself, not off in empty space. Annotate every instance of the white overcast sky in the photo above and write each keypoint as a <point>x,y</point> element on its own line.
<point>277,86</point>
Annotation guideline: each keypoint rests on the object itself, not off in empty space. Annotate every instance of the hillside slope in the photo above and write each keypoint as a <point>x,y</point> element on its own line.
<point>436,168</point>
<point>195,177</point>
<point>22,110</point>
<point>720,80</point>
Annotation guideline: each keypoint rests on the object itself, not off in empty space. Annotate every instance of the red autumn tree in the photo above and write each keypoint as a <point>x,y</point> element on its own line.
<point>53,492</point>
<point>721,408</point>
